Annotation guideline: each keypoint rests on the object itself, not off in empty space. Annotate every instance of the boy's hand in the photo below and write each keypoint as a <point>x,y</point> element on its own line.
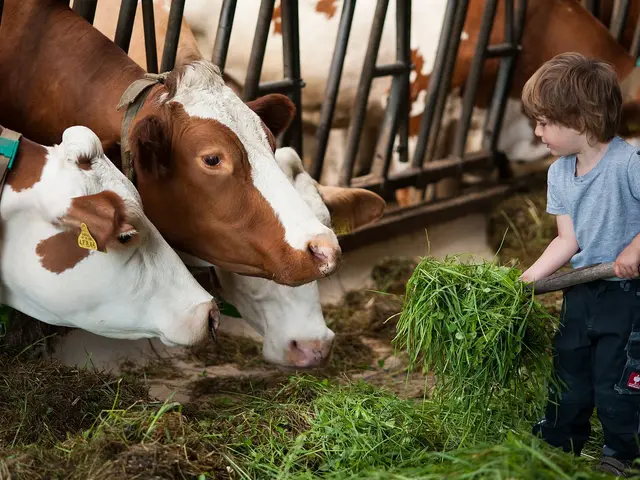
<point>526,277</point>
<point>628,261</point>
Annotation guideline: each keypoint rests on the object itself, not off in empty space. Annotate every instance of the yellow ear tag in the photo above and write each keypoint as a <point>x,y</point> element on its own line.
<point>341,226</point>
<point>85,240</point>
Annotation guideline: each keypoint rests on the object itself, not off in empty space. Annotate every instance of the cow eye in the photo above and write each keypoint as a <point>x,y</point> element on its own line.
<point>212,160</point>
<point>125,237</point>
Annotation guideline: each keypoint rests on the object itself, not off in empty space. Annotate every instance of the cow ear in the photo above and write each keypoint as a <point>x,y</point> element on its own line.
<point>92,222</point>
<point>275,110</point>
<point>150,146</point>
<point>351,208</point>
<point>100,218</point>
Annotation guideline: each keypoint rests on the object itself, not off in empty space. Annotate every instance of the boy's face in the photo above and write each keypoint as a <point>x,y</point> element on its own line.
<point>559,139</point>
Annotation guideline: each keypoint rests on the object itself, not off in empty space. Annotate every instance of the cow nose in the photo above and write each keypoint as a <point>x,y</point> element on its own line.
<point>214,321</point>
<point>310,353</point>
<point>326,253</point>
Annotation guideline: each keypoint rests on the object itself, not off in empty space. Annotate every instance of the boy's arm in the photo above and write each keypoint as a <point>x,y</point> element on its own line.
<point>559,252</point>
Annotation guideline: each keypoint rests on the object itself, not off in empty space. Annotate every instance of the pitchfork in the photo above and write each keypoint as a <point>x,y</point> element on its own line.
<point>561,280</point>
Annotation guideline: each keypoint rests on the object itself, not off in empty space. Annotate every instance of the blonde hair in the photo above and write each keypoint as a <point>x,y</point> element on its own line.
<point>577,92</point>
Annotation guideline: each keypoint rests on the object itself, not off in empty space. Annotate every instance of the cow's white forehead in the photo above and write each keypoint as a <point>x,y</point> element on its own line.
<point>202,92</point>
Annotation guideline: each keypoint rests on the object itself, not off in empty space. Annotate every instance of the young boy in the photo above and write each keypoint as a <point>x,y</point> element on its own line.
<point>593,189</point>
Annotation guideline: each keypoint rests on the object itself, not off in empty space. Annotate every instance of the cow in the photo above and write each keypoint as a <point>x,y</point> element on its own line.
<point>551,27</point>
<point>203,160</point>
<point>78,251</point>
<point>290,318</point>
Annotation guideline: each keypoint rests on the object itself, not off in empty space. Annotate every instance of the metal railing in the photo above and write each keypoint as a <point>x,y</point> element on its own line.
<point>617,21</point>
<point>423,168</point>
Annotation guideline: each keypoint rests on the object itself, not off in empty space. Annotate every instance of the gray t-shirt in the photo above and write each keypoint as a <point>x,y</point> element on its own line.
<point>604,204</point>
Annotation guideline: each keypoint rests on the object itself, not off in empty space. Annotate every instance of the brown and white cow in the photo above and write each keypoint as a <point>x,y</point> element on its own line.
<point>552,27</point>
<point>204,160</point>
<point>290,318</point>
<point>78,251</point>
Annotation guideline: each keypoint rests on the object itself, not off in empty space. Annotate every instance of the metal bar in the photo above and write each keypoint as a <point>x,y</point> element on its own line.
<point>619,19</point>
<point>333,85</point>
<point>284,86</point>
<point>593,6</point>
<point>432,172</point>
<point>150,44</point>
<point>86,9</point>
<point>403,53</point>
<point>495,115</point>
<point>417,217</point>
<point>501,49</point>
<point>125,24</point>
<point>440,78</point>
<point>635,44</point>
<point>173,35</point>
<point>223,35</point>
<point>387,136</point>
<point>362,95</point>
<point>391,69</point>
<point>509,30</point>
<point>254,69</point>
<point>291,68</point>
<point>475,71</point>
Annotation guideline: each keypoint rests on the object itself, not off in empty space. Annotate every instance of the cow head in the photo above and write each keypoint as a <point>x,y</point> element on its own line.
<point>78,251</point>
<point>291,319</point>
<point>207,173</point>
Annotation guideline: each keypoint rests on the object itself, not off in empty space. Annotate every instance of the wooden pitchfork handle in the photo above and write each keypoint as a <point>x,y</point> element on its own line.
<point>561,280</point>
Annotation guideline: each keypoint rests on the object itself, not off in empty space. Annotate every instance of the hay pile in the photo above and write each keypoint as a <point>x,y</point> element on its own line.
<point>484,337</point>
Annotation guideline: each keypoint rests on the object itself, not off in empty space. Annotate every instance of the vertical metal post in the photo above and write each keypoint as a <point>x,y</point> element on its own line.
<point>86,9</point>
<point>475,71</point>
<point>403,54</point>
<point>397,111</point>
<point>619,19</point>
<point>495,115</point>
<point>362,95</point>
<point>173,35</point>
<point>223,35</point>
<point>440,78</point>
<point>333,85</point>
<point>254,69</point>
<point>593,6</point>
<point>291,68</point>
<point>635,44</point>
<point>125,24</point>
<point>150,44</point>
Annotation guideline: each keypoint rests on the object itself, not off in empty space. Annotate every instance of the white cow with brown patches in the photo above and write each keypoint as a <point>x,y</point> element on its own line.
<point>132,285</point>
<point>290,318</point>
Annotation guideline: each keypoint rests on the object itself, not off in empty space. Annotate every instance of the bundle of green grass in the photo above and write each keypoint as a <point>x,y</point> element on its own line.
<point>479,330</point>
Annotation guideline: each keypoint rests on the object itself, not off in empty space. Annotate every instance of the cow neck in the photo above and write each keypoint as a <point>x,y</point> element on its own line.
<point>225,307</point>
<point>17,172</point>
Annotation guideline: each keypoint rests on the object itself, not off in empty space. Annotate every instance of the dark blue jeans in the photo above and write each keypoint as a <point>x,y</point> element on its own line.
<point>597,356</point>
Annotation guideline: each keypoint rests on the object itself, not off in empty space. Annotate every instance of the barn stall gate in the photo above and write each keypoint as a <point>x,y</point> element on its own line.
<point>622,18</point>
<point>422,170</point>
